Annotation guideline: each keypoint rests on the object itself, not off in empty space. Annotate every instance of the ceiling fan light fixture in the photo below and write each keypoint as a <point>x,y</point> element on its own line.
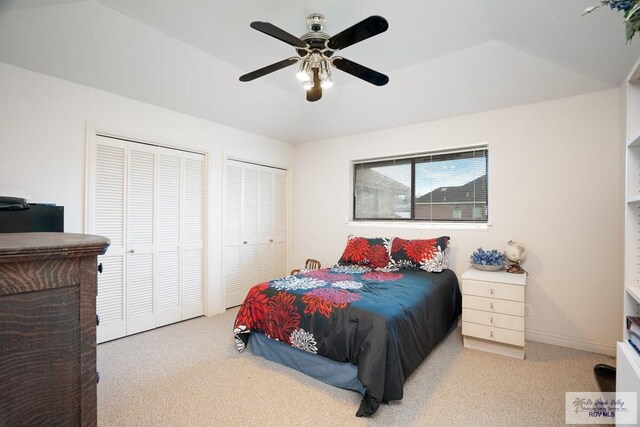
<point>323,71</point>
<point>326,83</point>
<point>308,85</point>
<point>304,74</point>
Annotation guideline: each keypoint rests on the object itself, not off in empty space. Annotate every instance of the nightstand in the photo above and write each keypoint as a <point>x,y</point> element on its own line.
<point>493,311</point>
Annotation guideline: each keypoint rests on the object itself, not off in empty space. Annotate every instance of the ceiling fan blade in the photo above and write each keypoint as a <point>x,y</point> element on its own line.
<point>315,93</point>
<point>360,71</point>
<point>275,32</point>
<point>369,27</point>
<point>268,69</point>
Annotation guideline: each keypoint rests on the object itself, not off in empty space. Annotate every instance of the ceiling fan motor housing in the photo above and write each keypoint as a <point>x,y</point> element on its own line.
<point>316,21</point>
<point>315,38</point>
<point>317,41</point>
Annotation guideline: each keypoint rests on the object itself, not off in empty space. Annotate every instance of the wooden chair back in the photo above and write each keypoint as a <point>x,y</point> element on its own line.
<point>312,264</point>
<point>309,264</point>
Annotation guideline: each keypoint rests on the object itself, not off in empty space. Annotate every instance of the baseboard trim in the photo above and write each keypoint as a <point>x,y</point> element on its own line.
<point>494,347</point>
<point>214,311</point>
<point>576,343</point>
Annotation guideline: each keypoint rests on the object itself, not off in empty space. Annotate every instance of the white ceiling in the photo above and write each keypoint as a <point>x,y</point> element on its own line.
<point>444,58</point>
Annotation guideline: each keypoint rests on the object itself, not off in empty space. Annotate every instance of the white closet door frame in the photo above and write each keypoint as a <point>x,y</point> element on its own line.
<point>227,157</point>
<point>107,332</point>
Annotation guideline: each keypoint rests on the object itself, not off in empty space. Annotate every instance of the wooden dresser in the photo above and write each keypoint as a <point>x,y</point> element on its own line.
<point>48,328</point>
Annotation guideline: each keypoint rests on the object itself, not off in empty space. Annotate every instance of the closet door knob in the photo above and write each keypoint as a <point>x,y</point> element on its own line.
<point>132,251</point>
<point>97,320</point>
<point>244,243</point>
<point>100,268</point>
<point>271,241</point>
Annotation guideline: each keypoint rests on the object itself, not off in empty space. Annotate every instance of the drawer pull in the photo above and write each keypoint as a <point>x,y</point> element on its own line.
<point>97,377</point>
<point>491,334</point>
<point>98,320</point>
<point>492,307</point>
<point>492,291</point>
<point>491,320</point>
<point>100,268</point>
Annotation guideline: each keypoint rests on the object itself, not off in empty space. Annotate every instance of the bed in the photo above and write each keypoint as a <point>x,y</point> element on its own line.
<point>351,326</point>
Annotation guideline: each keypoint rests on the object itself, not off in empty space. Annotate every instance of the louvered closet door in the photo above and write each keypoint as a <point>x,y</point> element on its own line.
<point>265,225</point>
<point>241,231</point>
<point>250,214</point>
<point>193,182</point>
<point>169,215</point>
<point>279,225</point>
<point>272,221</point>
<point>255,227</point>
<point>233,233</point>
<point>141,223</point>
<point>150,201</point>
<point>108,201</point>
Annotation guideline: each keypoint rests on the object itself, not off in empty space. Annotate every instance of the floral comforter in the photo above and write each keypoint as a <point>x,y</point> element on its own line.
<point>385,322</point>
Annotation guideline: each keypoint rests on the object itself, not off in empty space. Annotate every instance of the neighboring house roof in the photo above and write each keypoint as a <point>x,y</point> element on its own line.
<point>369,178</point>
<point>460,194</point>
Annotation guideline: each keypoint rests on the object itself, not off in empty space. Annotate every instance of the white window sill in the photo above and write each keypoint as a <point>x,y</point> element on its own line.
<point>421,225</point>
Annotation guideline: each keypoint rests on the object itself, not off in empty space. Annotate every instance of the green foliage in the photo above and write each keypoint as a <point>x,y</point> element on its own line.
<point>632,22</point>
<point>630,10</point>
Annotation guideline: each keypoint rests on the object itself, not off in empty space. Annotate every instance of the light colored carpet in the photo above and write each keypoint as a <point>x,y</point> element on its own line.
<point>190,374</point>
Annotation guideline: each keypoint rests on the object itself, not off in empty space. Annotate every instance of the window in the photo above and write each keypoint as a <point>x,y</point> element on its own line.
<point>477,213</point>
<point>438,187</point>
<point>456,215</point>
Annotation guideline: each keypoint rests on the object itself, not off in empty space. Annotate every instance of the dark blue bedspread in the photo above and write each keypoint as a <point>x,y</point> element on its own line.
<point>384,322</point>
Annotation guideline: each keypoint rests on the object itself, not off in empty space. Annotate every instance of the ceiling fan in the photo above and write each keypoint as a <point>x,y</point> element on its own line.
<point>315,53</point>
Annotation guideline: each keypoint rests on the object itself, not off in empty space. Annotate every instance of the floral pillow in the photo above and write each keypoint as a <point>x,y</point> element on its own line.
<point>423,254</point>
<point>374,253</point>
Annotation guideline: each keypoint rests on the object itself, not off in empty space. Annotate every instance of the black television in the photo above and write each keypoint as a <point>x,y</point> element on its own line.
<point>38,217</point>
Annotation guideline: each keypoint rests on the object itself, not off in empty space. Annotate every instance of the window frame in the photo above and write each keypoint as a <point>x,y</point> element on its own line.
<point>412,221</point>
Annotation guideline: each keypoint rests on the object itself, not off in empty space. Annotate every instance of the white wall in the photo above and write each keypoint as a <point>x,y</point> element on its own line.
<point>43,122</point>
<point>555,184</point>
<point>94,45</point>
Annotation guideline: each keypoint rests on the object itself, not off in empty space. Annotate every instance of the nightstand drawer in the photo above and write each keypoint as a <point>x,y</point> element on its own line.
<point>493,305</point>
<point>491,333</point>
<point>506,321</point>
<point>493,290</point>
